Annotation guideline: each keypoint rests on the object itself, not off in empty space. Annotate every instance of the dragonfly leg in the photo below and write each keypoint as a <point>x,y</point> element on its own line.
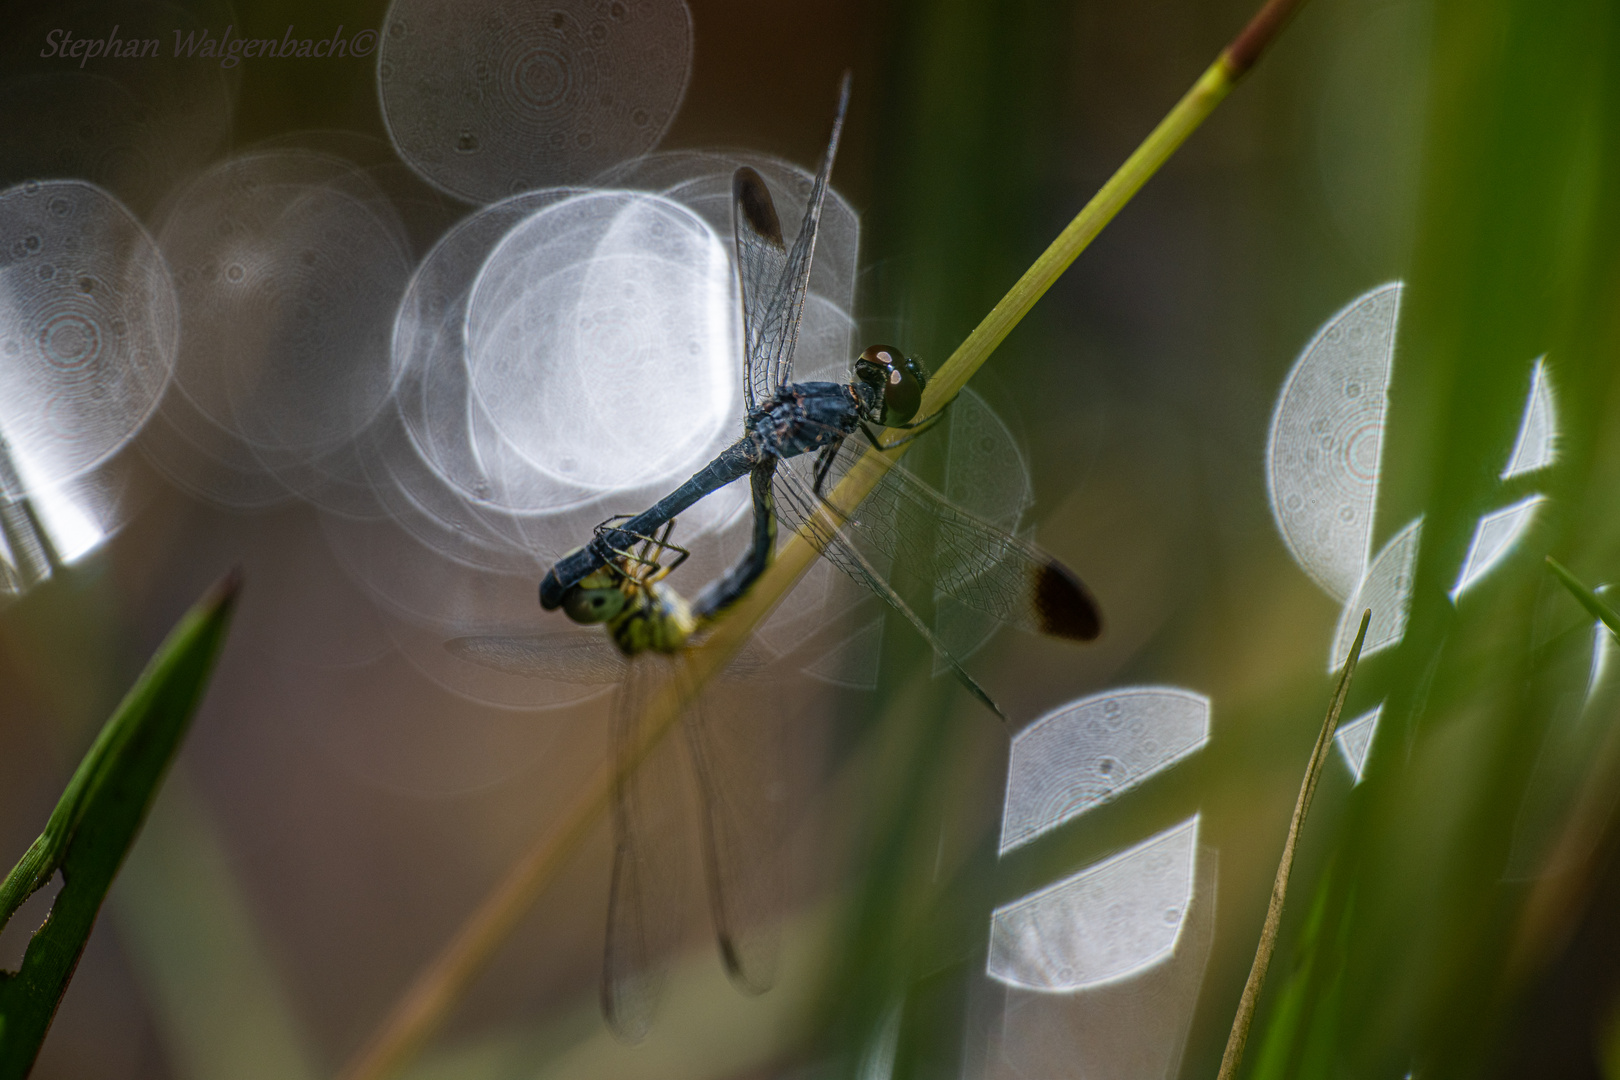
<point>613,542</point>
<point>926,422</point>
<point>912,431</point>
<point>824,463</point>
<point>732,462</point>
<point>652,548</point>
<point>663,545</point>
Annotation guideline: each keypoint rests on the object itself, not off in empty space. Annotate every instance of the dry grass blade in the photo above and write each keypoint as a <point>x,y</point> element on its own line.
<point>430,997</point>
<point>1279,888</point>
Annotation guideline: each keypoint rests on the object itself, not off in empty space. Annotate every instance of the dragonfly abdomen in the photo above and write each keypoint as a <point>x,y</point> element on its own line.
<point>734,461</point>
<point>661,622</point>
<point>731,586</point>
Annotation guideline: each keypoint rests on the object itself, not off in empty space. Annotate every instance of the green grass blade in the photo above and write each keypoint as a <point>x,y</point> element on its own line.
<point>1587,598</point>
<point>96,821</point>
<point>1454,905</point>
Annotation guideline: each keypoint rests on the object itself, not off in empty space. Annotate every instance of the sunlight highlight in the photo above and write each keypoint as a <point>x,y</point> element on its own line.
<point>1323,454</point>
<point>62,526</point>
<point>1603,648</point>
<point>600,340</point>
<point>1537,444</point>
<point>1494,537</point>
<point>1354,739</point>
<point>488,98</point>
<point>1387,590</point>
<point>73,529</point>
<point>1108,922</point>
<point>1089,751</point>
<point>87,328</point>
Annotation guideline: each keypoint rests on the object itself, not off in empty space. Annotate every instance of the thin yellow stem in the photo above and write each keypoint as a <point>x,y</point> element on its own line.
<point>1241,1023</point>
<point>800,551</point>
<point>1208,92</point>
<point>437,987</point>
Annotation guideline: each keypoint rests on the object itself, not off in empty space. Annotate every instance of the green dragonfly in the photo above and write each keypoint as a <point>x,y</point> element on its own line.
<point>733,765</point>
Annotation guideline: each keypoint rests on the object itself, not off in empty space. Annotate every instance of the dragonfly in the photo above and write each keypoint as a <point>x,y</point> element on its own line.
<point>650,625</point>
<point>904,523</point>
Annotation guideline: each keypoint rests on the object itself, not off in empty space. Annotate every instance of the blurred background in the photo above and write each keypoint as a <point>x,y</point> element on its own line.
<point>350,790</point>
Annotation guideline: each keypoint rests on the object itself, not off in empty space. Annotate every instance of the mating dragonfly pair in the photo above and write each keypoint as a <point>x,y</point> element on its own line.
<point>617,578</point>
<point>904,522</point>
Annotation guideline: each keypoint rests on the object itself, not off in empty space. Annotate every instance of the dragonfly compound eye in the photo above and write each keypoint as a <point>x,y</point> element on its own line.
<point>898,377</point>
<point>588,605</point>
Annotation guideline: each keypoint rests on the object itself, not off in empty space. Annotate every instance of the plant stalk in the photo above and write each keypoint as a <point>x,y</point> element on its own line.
<point>1235,1042</point>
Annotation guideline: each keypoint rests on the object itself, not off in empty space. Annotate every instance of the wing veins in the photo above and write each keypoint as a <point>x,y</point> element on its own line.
<point>846,556</point>
<point>772,332</point>
<point>974,562</point>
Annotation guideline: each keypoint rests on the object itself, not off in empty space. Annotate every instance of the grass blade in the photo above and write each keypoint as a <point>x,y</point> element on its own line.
<point>1279,889</point>
<point>1587,598</point>
<point>96,821</point>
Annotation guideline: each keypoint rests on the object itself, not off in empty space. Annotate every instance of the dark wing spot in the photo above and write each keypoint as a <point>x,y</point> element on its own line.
<point>1065,609</point>
<point>753,201</point>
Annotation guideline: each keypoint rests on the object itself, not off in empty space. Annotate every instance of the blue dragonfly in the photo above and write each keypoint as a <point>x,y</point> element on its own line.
<point>904,524</point>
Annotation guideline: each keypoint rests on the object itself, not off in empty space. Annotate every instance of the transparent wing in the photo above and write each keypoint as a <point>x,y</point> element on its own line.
<point>847,558</point>
<point>986,474</point>
<point>771,318</point>
<point>560,657</point>
<point>736,754</point>
<point>647,894</point>
<point>921,534</point>
<point>572,657</point>
<point>761,256</point>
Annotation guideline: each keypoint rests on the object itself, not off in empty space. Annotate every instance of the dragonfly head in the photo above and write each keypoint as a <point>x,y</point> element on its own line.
<point>890,385</point>
<point>598,597</point>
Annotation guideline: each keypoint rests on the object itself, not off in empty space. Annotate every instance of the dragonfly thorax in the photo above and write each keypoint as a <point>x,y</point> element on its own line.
<point>805,416</point>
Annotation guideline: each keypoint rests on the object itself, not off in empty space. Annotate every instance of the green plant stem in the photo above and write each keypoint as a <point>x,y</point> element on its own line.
<point>1235,1042</point>
<point>1182,120</point>
<point>436,988</point>
<point>1208,92</point>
